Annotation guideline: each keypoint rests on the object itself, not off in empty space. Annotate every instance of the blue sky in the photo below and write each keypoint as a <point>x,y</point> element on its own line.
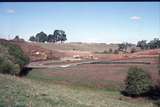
<point>108,22</point>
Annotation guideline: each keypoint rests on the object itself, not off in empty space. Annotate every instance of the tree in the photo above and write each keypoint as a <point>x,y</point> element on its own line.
<point>41,37</point>
<point>51,38</point>
<point>16,37</point>
<point>142,44</point>
<point>124,46</point>
<point>110,50</point>
<point>138,82</point>
<point>60,35</point>
<point>155,43</point>
<point>32,38</point>
<point>121,46</point>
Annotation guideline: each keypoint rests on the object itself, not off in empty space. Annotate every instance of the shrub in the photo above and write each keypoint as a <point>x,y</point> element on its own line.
<point>12,60</point>
<point>7,67</point>
<point>116,51</point>
<point>133,50</point>
<point>19,57</point>
<point>110,50</point>
<point>138,82</point>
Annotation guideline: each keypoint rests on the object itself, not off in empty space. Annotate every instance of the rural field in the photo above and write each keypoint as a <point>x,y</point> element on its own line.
<point>80,54</point>
<point>67,81</point>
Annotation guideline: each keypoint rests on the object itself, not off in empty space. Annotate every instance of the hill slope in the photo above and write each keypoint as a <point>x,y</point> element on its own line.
<point>20,92</point>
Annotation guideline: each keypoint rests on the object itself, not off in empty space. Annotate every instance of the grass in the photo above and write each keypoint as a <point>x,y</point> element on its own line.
<point>74,81</point>
<point>23,92</point>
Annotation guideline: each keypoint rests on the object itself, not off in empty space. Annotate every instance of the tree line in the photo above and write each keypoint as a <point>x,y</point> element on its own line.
<point>58,35</point>
<point>153,44</point>
<point>143,44</point>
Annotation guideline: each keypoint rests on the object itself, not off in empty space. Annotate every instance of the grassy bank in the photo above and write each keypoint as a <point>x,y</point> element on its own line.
<point>22,92</point>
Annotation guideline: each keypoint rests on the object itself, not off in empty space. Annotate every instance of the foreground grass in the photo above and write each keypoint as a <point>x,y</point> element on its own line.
<point>80,80</point>
<point>22,92</point>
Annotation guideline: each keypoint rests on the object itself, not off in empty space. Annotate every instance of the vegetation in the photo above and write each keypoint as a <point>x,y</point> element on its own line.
<point>32,38</point>
<point>133,50</point>
<point>110,50</point>
<point>142,44</point>
<point>153,44</point>
<point>12,58</point>
<point>15,92</point>
<point>124,46</point>
<point>7,67</point>
<point>19,57</point>
<point>58,35</point>
<point>138,82</point>
<point>116,51</point>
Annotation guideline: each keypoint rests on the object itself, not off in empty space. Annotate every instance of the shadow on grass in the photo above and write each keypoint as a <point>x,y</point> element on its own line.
<point>25,71</point>
<point>153,95</point>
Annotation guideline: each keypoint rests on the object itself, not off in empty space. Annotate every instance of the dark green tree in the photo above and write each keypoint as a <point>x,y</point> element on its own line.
<point>16,37</point>
<point>41,37</point>
<point>155,43</point>
<point>124,46</point>
<point>32,38</point>
<point>60,35</point>
<point>138,82</point>
<point>142,44</point>
<point>51,38</point>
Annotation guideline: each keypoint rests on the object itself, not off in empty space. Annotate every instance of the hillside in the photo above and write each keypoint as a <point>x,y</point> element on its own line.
<point>22,92</point>
<point>12,58</point>
<point>36,52</point>
<point>92,47</point>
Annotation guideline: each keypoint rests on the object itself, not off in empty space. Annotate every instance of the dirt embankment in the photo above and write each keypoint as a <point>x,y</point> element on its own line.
<point>37,53</point>
<point>57,54</point>
<point>146,54</point>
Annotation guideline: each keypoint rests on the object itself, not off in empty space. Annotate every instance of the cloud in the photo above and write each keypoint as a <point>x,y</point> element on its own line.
<point>10,11</point>
<point>135,18</point>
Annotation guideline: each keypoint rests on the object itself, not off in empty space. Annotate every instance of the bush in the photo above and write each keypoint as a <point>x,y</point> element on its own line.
<point>110,50</point>
<point>12,60</point>
<point>138,82</point>
<point>116,51</point>
<point>19,57</point>
<point>7,67</point>
<point>133,50</point>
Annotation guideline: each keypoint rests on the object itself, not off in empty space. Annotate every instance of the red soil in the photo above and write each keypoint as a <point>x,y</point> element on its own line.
<point>31,49</point>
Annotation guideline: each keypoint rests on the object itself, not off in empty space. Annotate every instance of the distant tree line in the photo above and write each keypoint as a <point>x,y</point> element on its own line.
<point>153,44</point>
<point>58,35</point>
<point>123,46</point>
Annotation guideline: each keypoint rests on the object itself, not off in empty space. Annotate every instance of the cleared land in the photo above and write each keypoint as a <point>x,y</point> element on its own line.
<point>92,47</point>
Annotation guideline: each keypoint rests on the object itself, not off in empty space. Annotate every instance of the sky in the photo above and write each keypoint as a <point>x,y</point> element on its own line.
<point>101,22</point>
